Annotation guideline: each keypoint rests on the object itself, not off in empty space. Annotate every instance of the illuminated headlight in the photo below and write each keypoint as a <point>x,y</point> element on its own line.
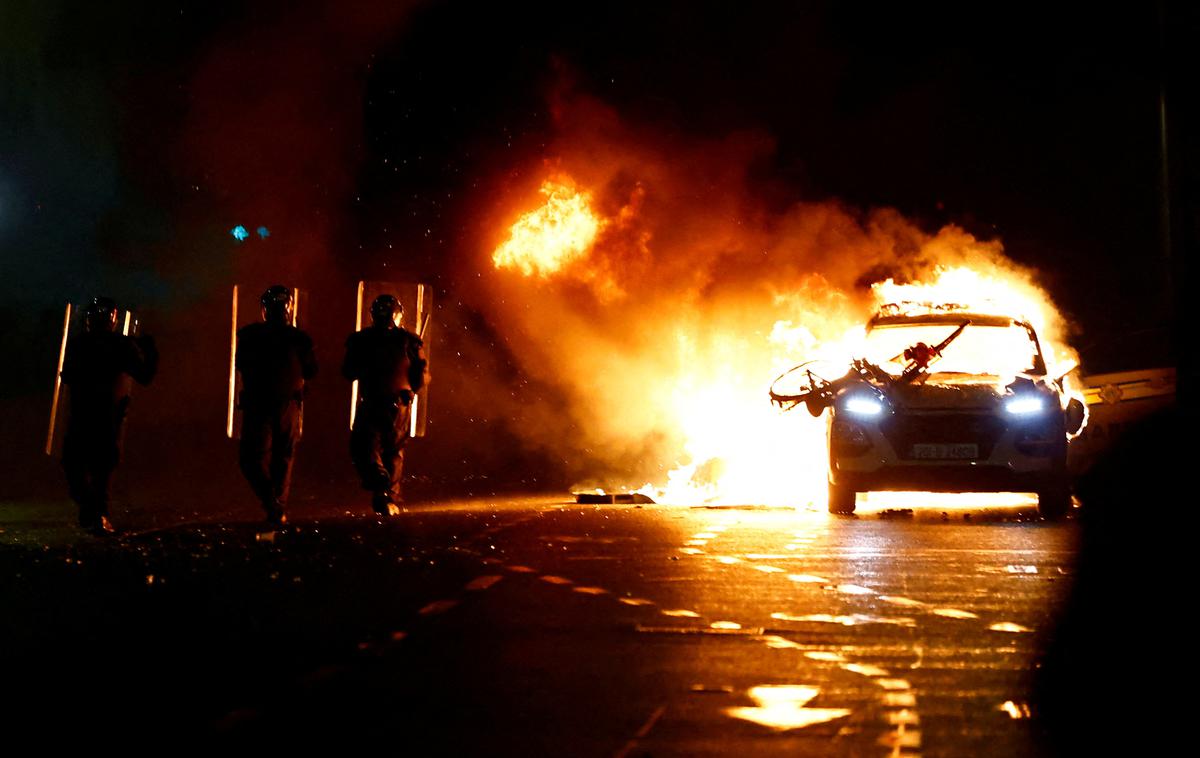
<point>1025,406</point>
<point>863,406</point>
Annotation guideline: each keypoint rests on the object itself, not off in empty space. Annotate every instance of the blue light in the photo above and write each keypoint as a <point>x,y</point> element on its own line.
<point>262,232</point>
<point>864,406</point>
<point>239,233</point>
<point>1024,406</point>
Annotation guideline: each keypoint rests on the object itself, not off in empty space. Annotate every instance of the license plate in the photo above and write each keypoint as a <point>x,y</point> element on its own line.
<point>945,451</point>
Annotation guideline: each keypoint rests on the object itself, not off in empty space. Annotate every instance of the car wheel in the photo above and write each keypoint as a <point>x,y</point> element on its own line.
<point>841,499</point>
<point>1053,503</point>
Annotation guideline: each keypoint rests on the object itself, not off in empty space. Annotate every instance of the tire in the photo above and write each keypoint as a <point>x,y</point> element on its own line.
<point>1055,502</point>
<point>841,499</point>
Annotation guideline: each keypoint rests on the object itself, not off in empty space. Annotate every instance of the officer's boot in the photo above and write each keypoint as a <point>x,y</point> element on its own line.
<point>383,504</point>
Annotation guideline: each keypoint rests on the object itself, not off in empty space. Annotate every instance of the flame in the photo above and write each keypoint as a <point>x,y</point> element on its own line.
<point>690,369</point>
<point>549,238</point>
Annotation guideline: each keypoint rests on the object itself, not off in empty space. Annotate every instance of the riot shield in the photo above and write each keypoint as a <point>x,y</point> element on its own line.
<point>72,325</point>
<point>417,300</point>
<point>246,309</point>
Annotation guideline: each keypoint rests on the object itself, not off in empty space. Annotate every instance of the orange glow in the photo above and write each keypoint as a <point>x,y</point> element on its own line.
<point>673,369</point>
<point>550,237</point>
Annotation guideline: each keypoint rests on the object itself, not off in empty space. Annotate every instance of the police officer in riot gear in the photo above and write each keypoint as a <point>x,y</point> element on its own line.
<point>99,369</point>
<point>389,364</point>
<point>275,360</point>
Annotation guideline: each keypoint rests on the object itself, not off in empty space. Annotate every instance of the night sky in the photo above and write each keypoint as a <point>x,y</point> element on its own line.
<point>135,135</point>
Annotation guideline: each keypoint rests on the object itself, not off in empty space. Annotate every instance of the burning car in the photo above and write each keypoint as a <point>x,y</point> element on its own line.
<point>945,399</point>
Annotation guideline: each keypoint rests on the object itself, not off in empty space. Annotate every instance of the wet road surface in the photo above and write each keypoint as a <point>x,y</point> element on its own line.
<point>534,626</point>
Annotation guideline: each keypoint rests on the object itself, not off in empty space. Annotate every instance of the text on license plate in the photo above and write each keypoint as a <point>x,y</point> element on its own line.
<point>945,451</point>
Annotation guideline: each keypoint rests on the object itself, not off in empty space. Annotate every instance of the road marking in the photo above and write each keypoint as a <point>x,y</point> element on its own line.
<point>902,737</point>
<point>728,560</point>
<point>691,551</point>
<point>854,589</point>
<point>1008,626</point>
<point>483,582</point>
<point>522,570</point>
<point>853,619</point>
<point>824,655</point>
<point>893,684</point>
<point>552,579</point>
<point>904,601</point>
<point>902,716</point>
<point>782,707</point>
<point>635,601</point>
<point>436,607</point>
<point>769,569</point>
<point>590,590</point>
<point>808,579</point>
<point>725,625</point>
<point>905,699</point>
<point>697,630</point>
<point>954,613</point>
<point>865,669</point>
<point>680,613</point>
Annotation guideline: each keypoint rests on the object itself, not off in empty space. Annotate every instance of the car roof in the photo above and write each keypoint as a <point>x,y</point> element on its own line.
<point>950,318</point>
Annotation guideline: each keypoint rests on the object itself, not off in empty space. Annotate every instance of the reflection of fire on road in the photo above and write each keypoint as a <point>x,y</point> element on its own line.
<point>664,322</point>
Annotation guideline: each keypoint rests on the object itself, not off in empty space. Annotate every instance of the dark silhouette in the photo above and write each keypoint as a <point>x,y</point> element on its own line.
<point>99,369</point>
<point>389,363</point>
<point>275,360</point>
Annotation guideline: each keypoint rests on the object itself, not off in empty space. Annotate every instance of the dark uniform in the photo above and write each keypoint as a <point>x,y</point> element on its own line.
<point>275,359</point>
<point>389,364</point>
<point>99,370</point>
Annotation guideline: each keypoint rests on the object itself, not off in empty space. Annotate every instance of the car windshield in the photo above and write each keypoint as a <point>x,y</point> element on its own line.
<point>979,350</point>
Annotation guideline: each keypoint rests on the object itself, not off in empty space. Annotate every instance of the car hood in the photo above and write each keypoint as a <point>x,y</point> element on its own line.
<point>945,396</point>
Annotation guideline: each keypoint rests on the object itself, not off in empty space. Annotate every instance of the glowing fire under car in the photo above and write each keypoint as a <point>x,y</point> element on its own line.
<point>945,399</point>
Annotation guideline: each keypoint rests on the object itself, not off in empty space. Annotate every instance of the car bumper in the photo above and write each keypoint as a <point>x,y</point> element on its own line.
<point>1003,466</point>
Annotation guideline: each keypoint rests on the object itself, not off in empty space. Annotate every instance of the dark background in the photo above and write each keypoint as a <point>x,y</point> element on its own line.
<point>135,135</point>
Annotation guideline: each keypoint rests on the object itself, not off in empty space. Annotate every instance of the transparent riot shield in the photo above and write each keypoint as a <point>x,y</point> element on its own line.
<point>73,315</point>
<point>245,309</point>
<point>417,300</point>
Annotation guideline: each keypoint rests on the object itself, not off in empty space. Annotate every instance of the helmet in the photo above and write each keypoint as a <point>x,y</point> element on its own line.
<point>387,311</point>
<point>100,315</point>
<point>277,305</point>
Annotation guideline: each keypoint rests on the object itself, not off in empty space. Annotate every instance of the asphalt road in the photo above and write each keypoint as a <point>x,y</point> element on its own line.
<point>535,626</point>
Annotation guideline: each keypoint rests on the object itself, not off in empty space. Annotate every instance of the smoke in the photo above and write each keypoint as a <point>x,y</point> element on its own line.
<point>697,292</point>
<point>274,132</point>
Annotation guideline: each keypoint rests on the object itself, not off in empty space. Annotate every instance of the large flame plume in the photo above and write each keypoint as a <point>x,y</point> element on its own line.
<point>550,237</point>
<point>652,287</point>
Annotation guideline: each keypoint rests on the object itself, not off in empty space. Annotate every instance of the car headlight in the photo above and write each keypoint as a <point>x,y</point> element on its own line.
<point>863,406</point>
<point>1027,405</point>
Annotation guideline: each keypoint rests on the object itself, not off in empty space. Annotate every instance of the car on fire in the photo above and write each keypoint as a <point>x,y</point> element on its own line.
<point>945,399</point>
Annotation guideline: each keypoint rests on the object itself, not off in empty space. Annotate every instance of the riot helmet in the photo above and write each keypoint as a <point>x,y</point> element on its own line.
<point>387,312</point>
<point>100,315</point>
<point>277,305</point>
